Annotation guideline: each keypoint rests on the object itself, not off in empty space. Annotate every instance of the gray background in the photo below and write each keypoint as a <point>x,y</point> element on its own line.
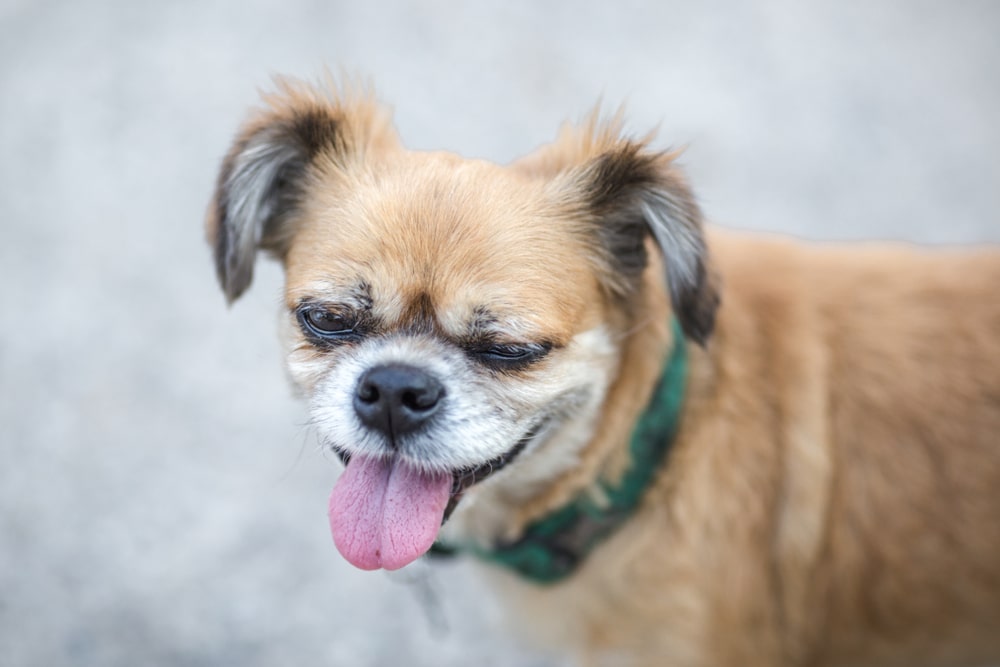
<point>161,502</point>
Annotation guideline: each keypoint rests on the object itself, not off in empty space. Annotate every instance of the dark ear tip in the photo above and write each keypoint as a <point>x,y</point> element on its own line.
<point>697,317</point>
<point>231,283</point>
<point>233,286</point>
<point>233,274</point>
<point>698,332</point>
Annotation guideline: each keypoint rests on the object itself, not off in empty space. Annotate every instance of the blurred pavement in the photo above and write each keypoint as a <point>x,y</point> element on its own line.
<point>161,502</point>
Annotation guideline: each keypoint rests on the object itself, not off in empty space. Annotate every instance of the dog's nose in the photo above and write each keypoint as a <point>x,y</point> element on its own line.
<point>396,399</point>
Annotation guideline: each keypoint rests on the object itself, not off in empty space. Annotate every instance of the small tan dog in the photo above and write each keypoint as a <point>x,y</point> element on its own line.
<point>808,474</point>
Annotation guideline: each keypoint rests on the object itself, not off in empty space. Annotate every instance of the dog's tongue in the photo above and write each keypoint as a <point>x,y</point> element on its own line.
<point>386,513</point>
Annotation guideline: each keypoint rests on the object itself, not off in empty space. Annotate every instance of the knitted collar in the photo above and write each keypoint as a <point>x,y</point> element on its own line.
<point>552,547</point>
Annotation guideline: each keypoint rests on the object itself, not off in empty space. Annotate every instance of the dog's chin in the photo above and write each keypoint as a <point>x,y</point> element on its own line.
<point>470,477</point>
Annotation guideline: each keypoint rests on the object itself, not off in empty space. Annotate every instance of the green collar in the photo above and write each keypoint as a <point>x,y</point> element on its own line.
<point>552,547</point>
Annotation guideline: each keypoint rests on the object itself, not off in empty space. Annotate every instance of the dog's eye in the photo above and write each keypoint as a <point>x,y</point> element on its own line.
<point>325,323</point>
<point>507,355</point>
<point>509,351</point>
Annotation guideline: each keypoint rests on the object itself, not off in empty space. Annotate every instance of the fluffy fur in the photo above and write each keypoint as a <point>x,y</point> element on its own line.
<point>833,496</point>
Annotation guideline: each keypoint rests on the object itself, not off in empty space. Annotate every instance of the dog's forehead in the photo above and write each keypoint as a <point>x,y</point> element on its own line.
<point>465,240</point>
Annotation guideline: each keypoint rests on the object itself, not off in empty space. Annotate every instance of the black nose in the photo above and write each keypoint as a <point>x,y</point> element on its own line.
<point>396,399</point>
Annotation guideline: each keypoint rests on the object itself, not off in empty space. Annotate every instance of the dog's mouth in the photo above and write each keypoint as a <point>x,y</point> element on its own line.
<point>386,512</point>
<point>466,478</point>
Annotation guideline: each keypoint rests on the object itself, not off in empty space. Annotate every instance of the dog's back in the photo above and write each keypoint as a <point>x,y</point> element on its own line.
<point>884,366</point>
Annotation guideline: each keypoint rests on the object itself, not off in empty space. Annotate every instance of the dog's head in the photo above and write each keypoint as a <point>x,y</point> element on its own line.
<point>444,316</point>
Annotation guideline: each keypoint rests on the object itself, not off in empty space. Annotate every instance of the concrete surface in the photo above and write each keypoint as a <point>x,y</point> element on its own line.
<point>161,502</point>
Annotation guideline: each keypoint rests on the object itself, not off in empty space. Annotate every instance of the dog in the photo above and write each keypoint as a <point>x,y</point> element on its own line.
<point>672,444</point>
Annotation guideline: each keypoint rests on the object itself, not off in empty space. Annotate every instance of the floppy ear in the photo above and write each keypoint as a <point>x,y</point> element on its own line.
<point>263,179</point>
<point>628,193</point>
<point>634,193</point>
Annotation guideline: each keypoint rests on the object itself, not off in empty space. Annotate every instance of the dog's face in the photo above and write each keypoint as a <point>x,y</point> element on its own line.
<point>446,318</point>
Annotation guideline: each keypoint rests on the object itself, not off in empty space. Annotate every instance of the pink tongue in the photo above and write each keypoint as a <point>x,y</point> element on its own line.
<point>386,513</point>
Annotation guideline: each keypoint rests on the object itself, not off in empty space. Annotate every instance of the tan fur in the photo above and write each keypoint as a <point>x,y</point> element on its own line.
<point>833,497</point>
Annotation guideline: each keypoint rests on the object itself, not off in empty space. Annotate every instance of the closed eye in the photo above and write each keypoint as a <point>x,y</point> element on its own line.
<point>509,356</point>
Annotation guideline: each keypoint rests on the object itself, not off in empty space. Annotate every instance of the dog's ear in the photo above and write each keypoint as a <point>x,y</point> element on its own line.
<point>262,181</point>
<point>633,194</point>
<point>628,193</point>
